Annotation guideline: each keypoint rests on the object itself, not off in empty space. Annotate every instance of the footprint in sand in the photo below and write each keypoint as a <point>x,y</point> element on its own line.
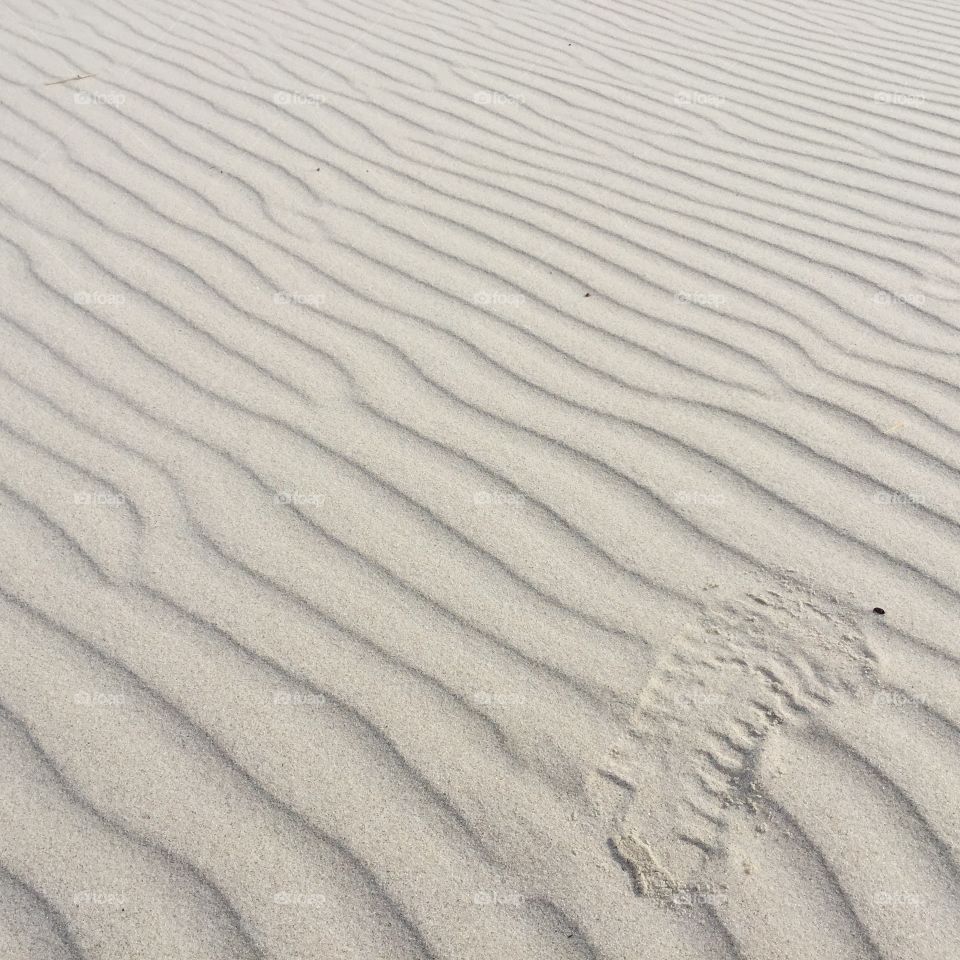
<point>748,665</point>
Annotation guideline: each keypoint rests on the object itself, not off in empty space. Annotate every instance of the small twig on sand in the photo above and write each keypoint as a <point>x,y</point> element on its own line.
<point>86,76</point>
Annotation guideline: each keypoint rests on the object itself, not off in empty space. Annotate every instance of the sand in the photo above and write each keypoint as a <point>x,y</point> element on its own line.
<point>480,481</point>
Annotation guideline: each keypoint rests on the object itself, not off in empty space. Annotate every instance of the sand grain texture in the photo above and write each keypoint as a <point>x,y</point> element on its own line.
<point>449,458</point>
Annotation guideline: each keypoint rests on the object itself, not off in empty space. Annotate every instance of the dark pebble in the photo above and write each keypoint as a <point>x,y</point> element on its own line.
<point>879,610</point>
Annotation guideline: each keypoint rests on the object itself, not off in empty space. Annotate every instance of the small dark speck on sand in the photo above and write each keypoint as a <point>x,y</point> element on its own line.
<point>879,610</point>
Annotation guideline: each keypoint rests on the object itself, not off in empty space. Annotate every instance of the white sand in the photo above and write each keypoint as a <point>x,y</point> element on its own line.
<point>450,454</point>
